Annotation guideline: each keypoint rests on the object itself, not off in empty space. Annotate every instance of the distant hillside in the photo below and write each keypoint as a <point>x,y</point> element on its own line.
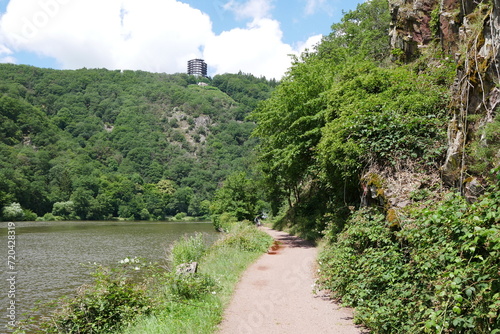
<point>97,144</point>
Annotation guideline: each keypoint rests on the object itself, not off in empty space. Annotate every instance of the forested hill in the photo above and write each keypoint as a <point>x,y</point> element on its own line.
<point>97,144</point>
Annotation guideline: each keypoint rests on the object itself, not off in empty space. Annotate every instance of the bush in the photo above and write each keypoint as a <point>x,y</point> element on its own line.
<point>245,237</point>
<point>49,217</point>
<point>191,286</point>
<point>224,222</point>
<point>187,249</point>
<point>29,215</point>
<point>107,306</point>
<point>438,274</point>
<point>180,216</point>
<point>13,212</point>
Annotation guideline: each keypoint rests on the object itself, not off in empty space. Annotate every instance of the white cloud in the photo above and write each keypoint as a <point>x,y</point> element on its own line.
<point>310,44</point>
<point>5,50</point>
<point>150,35</point>
<point>313,6</point>
<point>6,55</point>
<point>8,60</point>
<point>255,9</point>
<point>257,49</point>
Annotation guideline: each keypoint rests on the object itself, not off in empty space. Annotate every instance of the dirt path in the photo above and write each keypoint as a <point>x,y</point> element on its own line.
<point>275,295</point>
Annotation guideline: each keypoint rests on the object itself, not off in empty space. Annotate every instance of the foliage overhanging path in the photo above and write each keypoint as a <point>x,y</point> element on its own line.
<point>275,295</point>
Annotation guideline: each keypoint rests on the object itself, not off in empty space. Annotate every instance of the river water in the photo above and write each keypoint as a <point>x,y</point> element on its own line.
<point>53,259</point>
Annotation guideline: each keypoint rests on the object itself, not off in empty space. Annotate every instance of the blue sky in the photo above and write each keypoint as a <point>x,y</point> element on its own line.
<point>254,36</point>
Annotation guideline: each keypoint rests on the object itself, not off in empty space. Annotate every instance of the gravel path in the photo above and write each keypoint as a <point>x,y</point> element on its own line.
<point>275,295</point>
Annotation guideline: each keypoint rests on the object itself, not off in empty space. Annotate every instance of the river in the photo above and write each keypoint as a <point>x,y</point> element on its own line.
<point>52,259</point>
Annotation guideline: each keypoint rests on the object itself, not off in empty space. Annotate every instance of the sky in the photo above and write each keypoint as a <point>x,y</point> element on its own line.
<point>252,36</point>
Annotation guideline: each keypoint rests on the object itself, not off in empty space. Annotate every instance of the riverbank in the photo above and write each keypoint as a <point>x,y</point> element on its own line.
<point>54,259</point>
<point>142,297</point>
<point>137,297</point>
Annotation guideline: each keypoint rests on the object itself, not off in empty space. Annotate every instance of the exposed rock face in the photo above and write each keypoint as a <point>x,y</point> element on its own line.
<point>411,25</point>
<point>468,31</point>
<point>476,90</point>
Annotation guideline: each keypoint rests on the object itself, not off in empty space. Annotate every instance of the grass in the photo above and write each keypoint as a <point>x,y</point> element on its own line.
<point>225,261</point>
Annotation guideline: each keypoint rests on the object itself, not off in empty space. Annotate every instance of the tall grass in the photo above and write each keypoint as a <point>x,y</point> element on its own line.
<point>187,249</point>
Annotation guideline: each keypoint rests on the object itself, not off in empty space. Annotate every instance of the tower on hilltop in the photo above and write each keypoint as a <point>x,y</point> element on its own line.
<point>197,67</point>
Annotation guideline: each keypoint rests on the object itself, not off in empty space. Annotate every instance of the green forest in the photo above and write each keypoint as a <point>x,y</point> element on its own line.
<point>389,153</point>
<point>96,144</point>
<point>384,150</point>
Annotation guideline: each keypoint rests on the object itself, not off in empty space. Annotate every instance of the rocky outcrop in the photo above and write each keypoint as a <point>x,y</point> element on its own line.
<point>469,32</point>
<point>476,93</point>
<point>411,25</point>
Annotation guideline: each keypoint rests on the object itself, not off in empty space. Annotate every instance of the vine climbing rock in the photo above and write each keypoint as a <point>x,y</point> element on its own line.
<point>275,295</point>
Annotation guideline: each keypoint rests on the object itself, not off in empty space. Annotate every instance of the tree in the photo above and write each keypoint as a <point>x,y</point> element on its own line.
<point>289,124</point>
<point>82,199</point>
<point>362,33</point>
<point>13,212</point>
<point>180,200</point>
<point>238,197</point>
<point>65,210</point>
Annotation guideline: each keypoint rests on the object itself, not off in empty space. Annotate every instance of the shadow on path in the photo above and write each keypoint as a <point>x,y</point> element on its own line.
<point>293,241</point>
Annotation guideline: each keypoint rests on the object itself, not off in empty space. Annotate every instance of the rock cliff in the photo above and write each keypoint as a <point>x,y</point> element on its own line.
<point>469,33</point>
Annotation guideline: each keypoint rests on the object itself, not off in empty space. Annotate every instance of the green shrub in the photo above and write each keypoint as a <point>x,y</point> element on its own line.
<point>245,237</point>
<point>191,286</point>
<point>104,307</point>
<point>187,249</point>
<point>224,222</point>
<point>438,274</point>
<point>484,150</point>
<point>48,217</point>
<point>29,215</point>
<point>180,216</point>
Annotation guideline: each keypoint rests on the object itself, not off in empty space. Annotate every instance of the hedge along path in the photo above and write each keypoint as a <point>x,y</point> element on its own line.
<point>275,295</point>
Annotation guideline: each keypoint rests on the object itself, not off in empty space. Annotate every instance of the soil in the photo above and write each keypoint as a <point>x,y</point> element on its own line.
<point>275,295</point>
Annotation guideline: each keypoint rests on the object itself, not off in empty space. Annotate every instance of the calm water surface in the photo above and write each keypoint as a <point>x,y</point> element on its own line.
<point>52,258</point>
